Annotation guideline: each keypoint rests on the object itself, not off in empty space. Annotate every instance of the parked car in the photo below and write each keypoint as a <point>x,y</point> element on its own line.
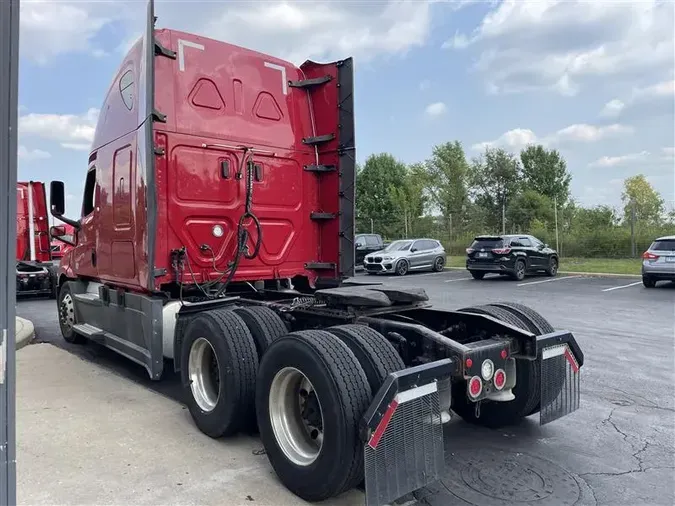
<point>511,255</point>
<point>405,255</point>
<point>658,262</point>
<point>364,244</point>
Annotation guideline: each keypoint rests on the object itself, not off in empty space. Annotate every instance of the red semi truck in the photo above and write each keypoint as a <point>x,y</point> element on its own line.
<point>35,273</point>
<point>59,247</point>
<point>216,238</point>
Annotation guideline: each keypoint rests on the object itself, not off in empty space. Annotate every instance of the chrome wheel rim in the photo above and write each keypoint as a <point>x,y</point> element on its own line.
<point>67,313</point>
<point>296,416</point>
<point>204,374</point>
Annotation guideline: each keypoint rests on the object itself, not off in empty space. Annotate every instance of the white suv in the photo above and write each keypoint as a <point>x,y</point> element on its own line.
<point>658,262</point>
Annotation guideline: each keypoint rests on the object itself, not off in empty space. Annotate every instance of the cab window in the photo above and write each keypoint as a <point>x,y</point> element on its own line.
<point>89,199</point>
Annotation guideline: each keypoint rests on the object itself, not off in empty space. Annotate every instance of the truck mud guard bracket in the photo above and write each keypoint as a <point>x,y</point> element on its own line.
<point>561,360</point>
<point>403,434</point>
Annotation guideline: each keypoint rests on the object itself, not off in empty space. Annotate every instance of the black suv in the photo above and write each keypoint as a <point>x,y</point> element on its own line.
<point>364,244</point>
<point>512,255</point>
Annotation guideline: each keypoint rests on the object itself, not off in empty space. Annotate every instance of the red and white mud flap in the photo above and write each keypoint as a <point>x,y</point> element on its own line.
<point>403,433</point>
<point>560,376</point>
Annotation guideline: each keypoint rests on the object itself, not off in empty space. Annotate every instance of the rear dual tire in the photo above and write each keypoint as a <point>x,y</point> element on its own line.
<point>343,367</point>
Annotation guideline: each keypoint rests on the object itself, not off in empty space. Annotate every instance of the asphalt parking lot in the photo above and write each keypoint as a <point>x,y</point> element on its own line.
<point>617,449</point>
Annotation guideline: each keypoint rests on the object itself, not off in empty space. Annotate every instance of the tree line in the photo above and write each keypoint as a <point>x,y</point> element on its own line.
<point>453,199</point>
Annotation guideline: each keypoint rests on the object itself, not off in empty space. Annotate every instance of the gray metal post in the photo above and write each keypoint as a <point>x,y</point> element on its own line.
<point>9,88</point>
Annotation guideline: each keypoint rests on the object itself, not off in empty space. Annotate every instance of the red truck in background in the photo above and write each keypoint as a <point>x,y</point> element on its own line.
<point>216,237</point>
<point>58,246</point>
<point>35,271</point>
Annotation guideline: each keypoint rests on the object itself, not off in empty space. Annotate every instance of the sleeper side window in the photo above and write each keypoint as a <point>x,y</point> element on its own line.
<point>89,200</point>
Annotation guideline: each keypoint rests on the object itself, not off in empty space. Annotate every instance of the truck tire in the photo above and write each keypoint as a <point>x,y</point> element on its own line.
<point>536,324</point>
<point>66,309</point>
<point>315,457</point>
<point>53,280</point>
<point>218,371</point>
<point>377,356</point>
<point>526,391</point>
<point>264,324</point>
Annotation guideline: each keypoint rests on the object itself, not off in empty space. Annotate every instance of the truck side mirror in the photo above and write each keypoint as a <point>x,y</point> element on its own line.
<point>57,198</point>
<point>57,231</point>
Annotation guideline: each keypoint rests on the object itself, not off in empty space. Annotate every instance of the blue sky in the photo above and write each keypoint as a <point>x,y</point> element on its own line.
<point>592,79</point>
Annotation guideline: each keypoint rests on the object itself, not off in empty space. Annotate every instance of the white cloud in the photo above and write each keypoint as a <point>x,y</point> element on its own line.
<point>557,45</point>
<point>32,154</point>
<point>668,153</point>
<point>295,31</point>
<point>70,130</point>
<point>50,28</point>
<point>519,138</point>
<point>614,161</point>
<point>662,91</point>
<point>436,109</point>
<point>515,140</point>
<point>589,133</point>
<point>613,108</point>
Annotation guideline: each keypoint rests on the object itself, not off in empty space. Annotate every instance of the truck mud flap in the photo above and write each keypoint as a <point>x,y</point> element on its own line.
<point>403,434</point>
<point>561,361</point>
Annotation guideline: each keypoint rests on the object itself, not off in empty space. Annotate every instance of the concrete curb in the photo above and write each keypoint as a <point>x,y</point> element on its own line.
<point>25,332</point>
<point>598,274</point>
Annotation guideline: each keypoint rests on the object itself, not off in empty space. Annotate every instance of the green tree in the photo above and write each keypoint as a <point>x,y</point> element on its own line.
<point>545,171</point>
<point>528,207</point>
<point>447,171</point>
<point>495,180</point>
<point>409,198</point>
<point>639,194</point>
<point>376,182</point>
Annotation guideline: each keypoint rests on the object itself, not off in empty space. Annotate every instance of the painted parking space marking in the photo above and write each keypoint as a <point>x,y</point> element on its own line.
<point>460,279</point>
<point>548,280</point>
<point>622,286</point>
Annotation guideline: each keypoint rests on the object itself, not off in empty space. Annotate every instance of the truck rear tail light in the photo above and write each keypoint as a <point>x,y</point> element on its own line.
<point>468,363</point>
<point>501,251</point>
<point>475,387</point>
<point>500,379</point>
<point>487,369</point>
<point>649,256</point>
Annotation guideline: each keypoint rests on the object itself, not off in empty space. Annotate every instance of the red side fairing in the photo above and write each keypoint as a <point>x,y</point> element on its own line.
<point>223,97</point>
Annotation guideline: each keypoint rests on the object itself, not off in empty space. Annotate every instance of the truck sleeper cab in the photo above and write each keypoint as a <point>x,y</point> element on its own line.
<point>217,233</point>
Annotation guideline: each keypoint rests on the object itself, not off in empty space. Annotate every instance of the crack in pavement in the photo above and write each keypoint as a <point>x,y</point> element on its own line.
<point>631,471</point>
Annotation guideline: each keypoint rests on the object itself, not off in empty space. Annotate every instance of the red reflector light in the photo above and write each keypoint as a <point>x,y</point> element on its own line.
<point>475,387</point>
<point>504,354</point>
<point>649,256</point>
<point>502,251</point>
<point>469,363</point>
<point>500,379</point>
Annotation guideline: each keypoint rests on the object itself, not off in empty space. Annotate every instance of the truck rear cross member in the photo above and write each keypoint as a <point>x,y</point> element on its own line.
<point>217,234</point>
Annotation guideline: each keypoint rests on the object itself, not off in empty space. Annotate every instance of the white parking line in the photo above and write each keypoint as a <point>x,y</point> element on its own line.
<point>548,280</point>
<point>453,280</point>
<point>622,286</point>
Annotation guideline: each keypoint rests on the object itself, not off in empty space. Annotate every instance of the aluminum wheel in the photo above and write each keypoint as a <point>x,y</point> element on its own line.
<point>204,374</point>
<point>67,312</point>
<point>296,416</point>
